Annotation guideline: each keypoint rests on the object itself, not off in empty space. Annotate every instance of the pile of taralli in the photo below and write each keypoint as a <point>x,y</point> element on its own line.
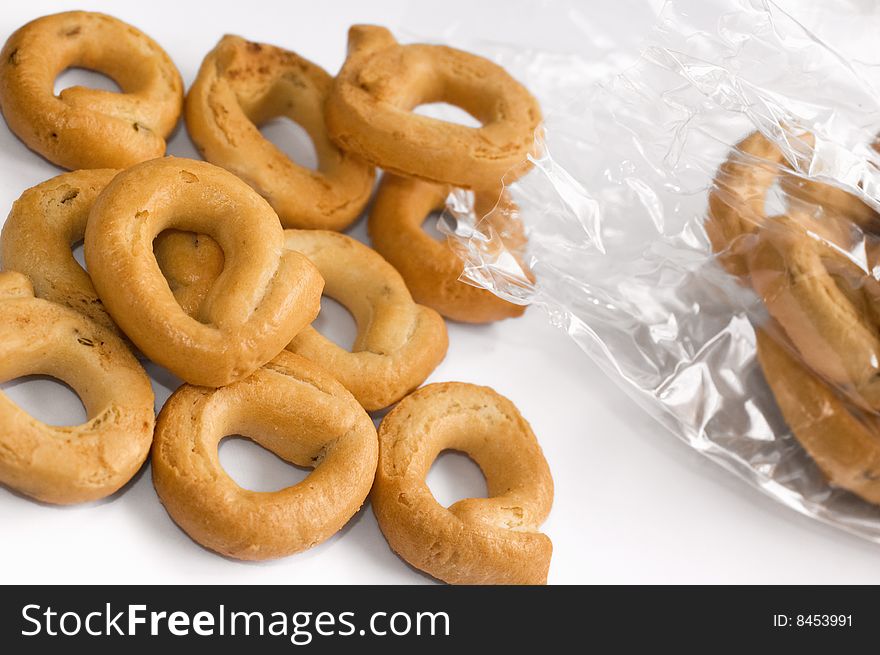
<point>215,270</point>
<point>814,268</point>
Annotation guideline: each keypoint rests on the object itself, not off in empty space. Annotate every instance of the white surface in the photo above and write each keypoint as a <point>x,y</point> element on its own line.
<point>632,504</point>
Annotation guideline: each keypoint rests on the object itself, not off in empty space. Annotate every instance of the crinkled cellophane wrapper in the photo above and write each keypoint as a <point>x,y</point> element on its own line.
<point>615,209</point>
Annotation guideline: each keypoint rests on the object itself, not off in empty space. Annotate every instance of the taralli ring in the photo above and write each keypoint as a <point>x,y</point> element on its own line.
<point>82,127</point>
<point>739,194</point>
<point>737,198</point>
<point>291,407</point>
<point>40,231</point>
<point>430,268</point>
<point>844,445</point>
<point>825,303</point>
<point>369,111</point>
<point>827,306</point>
<point>242,85</point>
<point>70,464</point>
<point>491,540</point>
<point>399,342</point>
<point>262,299</point>
<point>50,218</point>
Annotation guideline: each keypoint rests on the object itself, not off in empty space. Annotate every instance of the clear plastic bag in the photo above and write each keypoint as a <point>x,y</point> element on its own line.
<point>624,256</point>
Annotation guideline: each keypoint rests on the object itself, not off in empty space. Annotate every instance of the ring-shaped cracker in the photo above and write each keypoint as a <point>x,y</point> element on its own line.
<point>79,463</point>
<point>737,199</point>
<point>398,342</point>
<point>262,299</point>
<point>83,127</point>
<point>242,85</point>
<point>296,410</point>
<point>739,194</point>
<point>50,218</point>
<point>844,445</point>
<point>491,540</point>
<point>369,111</point>
<point>826,305</point>
<point>431,269</point>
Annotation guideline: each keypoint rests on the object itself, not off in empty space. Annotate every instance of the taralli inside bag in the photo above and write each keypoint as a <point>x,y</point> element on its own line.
<point>702,219</point>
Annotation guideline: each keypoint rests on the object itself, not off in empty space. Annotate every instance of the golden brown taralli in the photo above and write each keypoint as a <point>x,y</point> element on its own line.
<point>369,111</point>
<point>843,443</point>
<point>737,198</point>
<point>491,540</point>
<point>69,464</point>
<point>40,231</point>
<point>50,218</point>
<point>299,412</point>
<point>826,303</point>
<point>814,293</point>
<point>241,86</point>
<point>262,299</point>
<point>398,343</point>
<point>739,194</point>
<point>430,268</point>
<point>83,127</point>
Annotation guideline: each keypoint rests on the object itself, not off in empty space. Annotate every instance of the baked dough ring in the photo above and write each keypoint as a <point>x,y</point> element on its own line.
<point>369,113</point>
<point>845,446</point>
<point>739,194</point>
<point>431,268</point>
<point>299,412</point>
<point>399,342</point>
<point>69,464</point>
<point>50,218</point>
<point>491,540</point>
<point>262,299</point>
<point>242,85</point>
<point>82,127</point>
<point>808,288</point>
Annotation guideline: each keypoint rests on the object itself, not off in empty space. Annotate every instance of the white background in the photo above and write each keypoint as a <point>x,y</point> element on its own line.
<point>632,503</point>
